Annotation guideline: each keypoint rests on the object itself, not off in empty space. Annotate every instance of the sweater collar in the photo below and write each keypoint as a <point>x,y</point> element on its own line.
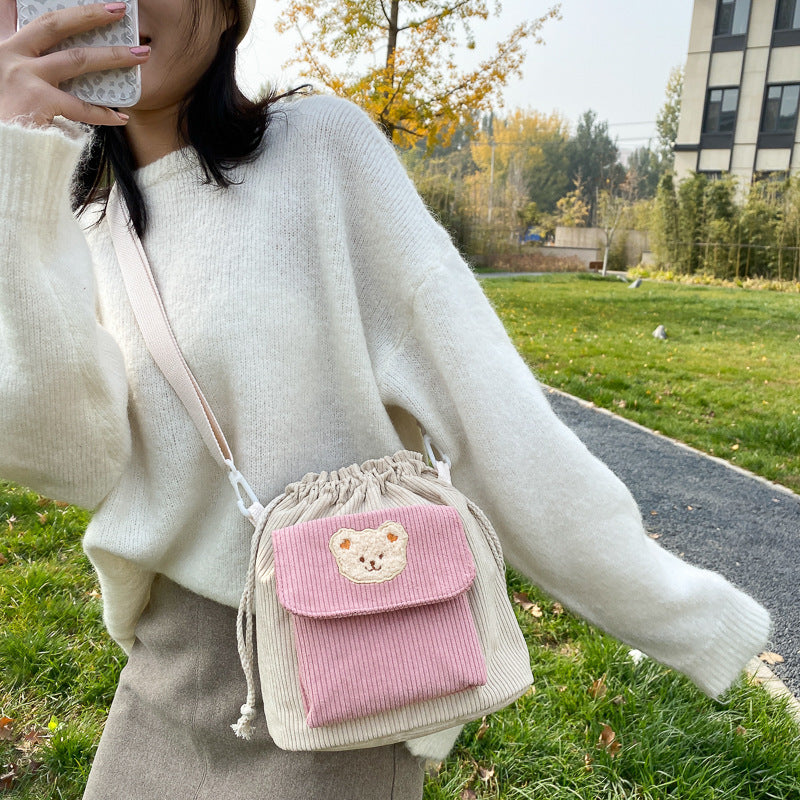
<point>177,162</point>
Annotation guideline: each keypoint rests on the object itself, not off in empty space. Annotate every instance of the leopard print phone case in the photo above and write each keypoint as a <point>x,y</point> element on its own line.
<point>114,88</point>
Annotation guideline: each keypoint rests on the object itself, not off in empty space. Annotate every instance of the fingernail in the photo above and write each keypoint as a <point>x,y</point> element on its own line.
<point>123,117</point>
<point>140,50</point>
<point>115,8</point>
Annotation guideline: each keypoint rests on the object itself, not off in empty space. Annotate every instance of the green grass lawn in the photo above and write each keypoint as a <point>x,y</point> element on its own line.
<point>58,670</point>
<point>726,380</point>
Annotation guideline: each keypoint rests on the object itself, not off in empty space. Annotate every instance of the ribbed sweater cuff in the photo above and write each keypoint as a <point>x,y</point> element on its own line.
<point>36,165</point>
<point>744,629</point>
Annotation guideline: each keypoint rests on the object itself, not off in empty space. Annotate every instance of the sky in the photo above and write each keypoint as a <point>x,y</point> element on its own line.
<point>612,56</point>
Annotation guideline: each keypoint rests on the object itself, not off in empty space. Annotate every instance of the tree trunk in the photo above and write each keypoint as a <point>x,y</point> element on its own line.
<point>609,240</point>
<point>391,47</point>
<point>394,15</point>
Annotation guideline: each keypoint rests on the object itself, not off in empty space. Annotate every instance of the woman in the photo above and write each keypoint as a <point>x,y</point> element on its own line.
<point>321,309</point>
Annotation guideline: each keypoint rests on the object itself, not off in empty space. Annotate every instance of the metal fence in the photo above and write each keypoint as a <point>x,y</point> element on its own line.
<point>734,260</point>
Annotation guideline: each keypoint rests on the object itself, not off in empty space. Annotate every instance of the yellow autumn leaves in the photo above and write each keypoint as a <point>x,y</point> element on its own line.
<point>398,59</point>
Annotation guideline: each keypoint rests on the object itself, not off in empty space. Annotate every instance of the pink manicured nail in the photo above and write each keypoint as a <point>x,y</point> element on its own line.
<point>115,8</point>
<point>140,50</point>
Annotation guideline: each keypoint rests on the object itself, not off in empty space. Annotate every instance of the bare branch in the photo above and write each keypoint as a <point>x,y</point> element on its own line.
<point>441,15</point>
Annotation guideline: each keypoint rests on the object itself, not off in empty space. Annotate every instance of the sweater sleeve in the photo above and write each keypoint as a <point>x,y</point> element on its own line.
<point>564,519</point>
<point>63,388</point>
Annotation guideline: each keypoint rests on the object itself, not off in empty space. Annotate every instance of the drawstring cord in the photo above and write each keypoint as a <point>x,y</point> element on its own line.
<point>243,728</point>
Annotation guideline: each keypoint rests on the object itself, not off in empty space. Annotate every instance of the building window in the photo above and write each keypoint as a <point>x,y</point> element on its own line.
<point>720,119</point>
<point>780,109</point>
<point>787,23</point>
<point>730,27</point>
<point>788,16</point>
<point>732,16</point>
<point>770,176</point>
<point>779,118</point>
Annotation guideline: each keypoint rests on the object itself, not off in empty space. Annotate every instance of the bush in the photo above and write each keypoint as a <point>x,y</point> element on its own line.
<point>701,227</point>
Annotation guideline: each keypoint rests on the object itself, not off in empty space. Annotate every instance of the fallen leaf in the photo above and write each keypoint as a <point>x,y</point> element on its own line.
<point>94,594</point>
<point>654,513</point>
<point>11,520</point>
<point>6,732</point>
<point>521,599</point>
<point>740,730</point>
<point>482,729</point>
<point>524,602</point>
<point>7,780</point>
<point>598,688</point>
<point>608,741</point>
<point>468,794</point>
<point>618,700</point>
<point>31,739</point>
<point>61,504</point>
<point>485,774</point>
<point>557,609</point>
<point>42,517</point>
<point>654,535</point>
<point>771,658</point>
<point>587,763</point>
<point>3,560</point>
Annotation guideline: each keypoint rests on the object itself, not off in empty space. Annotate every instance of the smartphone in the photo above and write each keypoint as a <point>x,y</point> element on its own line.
<point>114,88</point>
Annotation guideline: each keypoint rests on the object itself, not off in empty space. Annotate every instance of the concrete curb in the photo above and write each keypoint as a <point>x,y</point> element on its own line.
<point>760,674</point>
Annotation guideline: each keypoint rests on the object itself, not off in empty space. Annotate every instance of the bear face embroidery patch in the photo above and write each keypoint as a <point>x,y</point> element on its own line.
<point>371,555</point>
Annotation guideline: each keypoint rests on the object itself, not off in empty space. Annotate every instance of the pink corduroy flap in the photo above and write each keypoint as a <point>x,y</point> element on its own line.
<point>372,561</point>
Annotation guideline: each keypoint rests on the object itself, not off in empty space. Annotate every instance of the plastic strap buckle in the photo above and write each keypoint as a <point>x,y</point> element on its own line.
<point>443,466</point>
<point>238,482</point>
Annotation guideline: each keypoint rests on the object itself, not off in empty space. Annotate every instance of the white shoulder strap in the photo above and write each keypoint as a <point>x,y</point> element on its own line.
<point>157,333</point>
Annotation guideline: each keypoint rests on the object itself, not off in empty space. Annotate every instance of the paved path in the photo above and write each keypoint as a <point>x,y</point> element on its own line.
<point>713,515</point>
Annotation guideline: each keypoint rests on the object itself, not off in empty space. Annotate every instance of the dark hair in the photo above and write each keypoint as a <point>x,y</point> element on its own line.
<point>224,126</point>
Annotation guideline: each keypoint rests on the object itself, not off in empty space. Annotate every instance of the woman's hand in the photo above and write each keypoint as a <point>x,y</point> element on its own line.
<point>29,81</point>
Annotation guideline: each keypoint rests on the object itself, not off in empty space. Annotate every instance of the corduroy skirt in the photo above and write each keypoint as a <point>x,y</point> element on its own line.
<point>168,734</point>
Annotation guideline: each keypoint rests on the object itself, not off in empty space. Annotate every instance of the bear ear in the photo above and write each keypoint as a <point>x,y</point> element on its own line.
<point>391,537</point>
<point>345,544</point>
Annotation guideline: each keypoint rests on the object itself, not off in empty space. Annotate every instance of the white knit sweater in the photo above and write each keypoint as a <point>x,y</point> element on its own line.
<point>318,305</point>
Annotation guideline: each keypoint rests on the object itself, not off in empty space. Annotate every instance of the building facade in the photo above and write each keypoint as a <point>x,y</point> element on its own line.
<point>741,91</point>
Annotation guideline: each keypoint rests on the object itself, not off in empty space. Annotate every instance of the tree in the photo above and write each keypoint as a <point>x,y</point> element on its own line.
<point>666,223</point>
<point>669,117</point>
<point>611,207</point>
<point>547,171</point>
<point>691,218</point>
<point>573,210</point>
<point>415,89</point>
<point>453,159</point>
<point>594,159</point>
<point>645,170</point>
<point>509,153</point>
